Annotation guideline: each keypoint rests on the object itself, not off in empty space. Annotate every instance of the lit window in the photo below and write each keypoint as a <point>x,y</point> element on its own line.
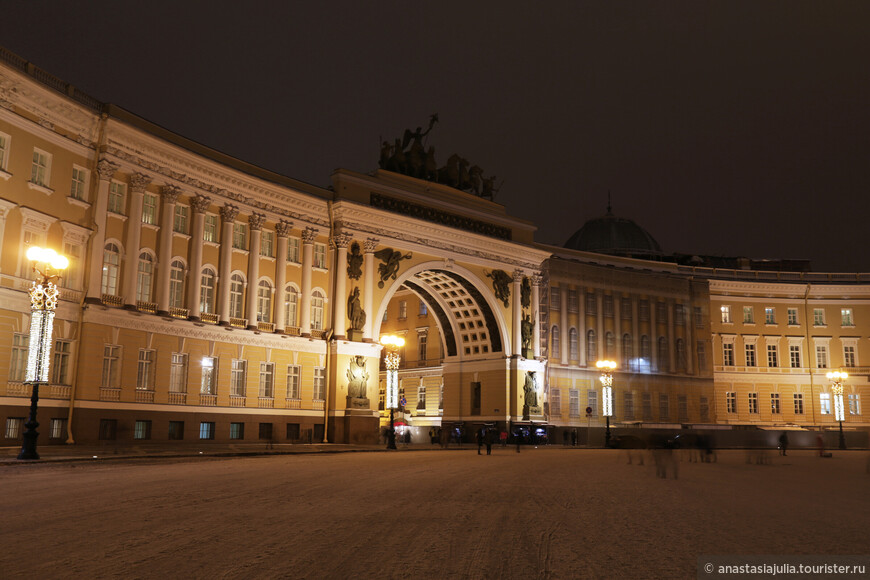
<point>818,317</point>
<point>726,314</point>
<point>208,384</point>
<point>209,229</point>
<point>206,430</point>
<point>149,209</point>
<point>792,316</point>
<point>206,291</point>
<point>111,269</point>
<point>142,430</point>
<point>748,315</point>
<point>238,377</point>
<point>240,236</point>
<point>769,315</point>
<point>846,317</point>
<point>825,403</point>
<point>267,242</point>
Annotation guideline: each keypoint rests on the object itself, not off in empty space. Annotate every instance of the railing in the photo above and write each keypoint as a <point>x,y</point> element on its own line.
<point>16,389</point>
<point>143,396</point>
<point>266,403</point>
<point>292,331</point>
<point>266,326</point>
<point>150,307</point>
<point>237,401</point>
<point>318,404</point>
<point>111,300</point>
<point>107,394</point>
<point>177,398</point>
<point>209,317</point>
<point>293,403</point>
<point>238,322</point>
<point>317,333</point>
<point>176,312</point>
<point>58,392</point>
<point>207,400</point>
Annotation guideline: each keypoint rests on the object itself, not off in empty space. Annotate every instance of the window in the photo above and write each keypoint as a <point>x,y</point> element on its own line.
<point>210,228</point>
<point>142,430</point>
<point>628,406</point>
<point>645,353</point>
<point>699,317</point>
<point>108,429</point>
<point>573,350</point>
<point>679,315</point>
<point>73,251</point>
<point>206,291</point>
<point>117,195</point>
<point>293,250</point>
<point>18,361</point>
<point>149,209</point>
<point>40,171</point>
<point>206,430</point>
<point>750,355</point>
<point>403,309</point>
<point>422,339</point>
<point>237,289</point>
<point>798,404</point>
<point>664,407</point>
<point>663,353</point>
<point>13,427</point>
<point>609,346</point>
<point>237,377</point>
<point>293,431</point>
<point>726,314</point>
<point>176,284</point>
<point>792,316</point>
<point>319,384</point>
<point>293,375</point>
<point>291,301</point>
<point>574,402</point>
<point>753,403</point>
<point>176,430</point>
<point>591,303</point>
<point>772,359</point>
<point>264,301</point>
<point>774,403</point>
<point>145,374</point>
<point>701,349</point>
<point>849,356</point>
<point>592,401</point>
<point>79,186</point>
<point>240,236</point>
<point>237,430</point>
<point>821,356</point>
<point>854,404</point>
<point>728,354</point>
<point>111,363</point>
<point>731,402</point>
<point>267,380</point>
<point>265,431</point>
<point>794,354</point>
<point>608,305</point>
<point>748,315</point>
<point>682,408</point>
<point>846,317</point>
<point>57,429</point>
<point>646,406</point>
<point>144,277</point>
<point>628,351</point>
<point>682,356</point>
<point>320,255</point>
<point>555,298</point>
<point>556,341</point>
<point>421,396</point>
<point>316,310</point>
<point>555,401</point>
<point>818,317</point>
<point>111,269</point>
<point>178,373</point>
<point>60,364</point>
<point>572,301</point>
<point>208,383</point>
<point>704,409</point>
<point>769,315</point>
<point>591,347</point>
<point>267,244</point>
<point>424,310</point>
<point>181,219</point>
<point>4,151</point>
<point>825,403</point>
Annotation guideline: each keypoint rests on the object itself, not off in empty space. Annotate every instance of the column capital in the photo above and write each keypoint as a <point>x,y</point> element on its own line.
<point>309,234</point>
<point>106,169</point>
<point>138,182</point>
<point>370,245</point>
<point>200,203</point>
<point>341,240</point>
<point>170,193</point>
<point>282,228</point>
<point>536,279</point>
<point>229,212</point>
<point>256,221</point>
<point>518,276</point>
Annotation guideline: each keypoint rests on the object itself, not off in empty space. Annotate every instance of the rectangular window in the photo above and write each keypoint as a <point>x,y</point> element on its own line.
<point>574,402</point>
<point>661,311</point>
<point>792,316</point>
<point>149,209</point>
<point>142,430</point>
<point>13,427</point>
<point>422,341</point>
<point>726,314</point>
<point>18,361</point>
<point>753,403</point>
<point>769,315</point>
<point>591,303</point>
<point>293,431</point>
<point>424,310</point>
<point>293,376</point>
<point>849,356</point>
<point>71,278</point>
<point>731,402</point>
<point>821,356</point>
<point>117,195</point>
<point>683,408</point>
<point>320,256</point>
<point>774,403</point>
<point>555,298</point>
<point>293,250</point>
<point>748,315</point>
<point>403,309</point>
<point>728,354</point>
<point>608,305</point>
<point>237,430</point>
<point>178,373</point>
<point>750,355</point>
<point>699,317</point>
<point>267,380</point>
<point>181,219</point>
<point>240,236</point>
<point>206,430</point>
<point>592,401</point>
<point>5,141</point>
<point>704,409</point>
<point>664,408</point>
<point>210,228</point>
<point>646,406</point>
<point>772,356</point>
<point>111,363</point>
<point>679,315</point>
<point>794,355</point>
<point>267,244</point>
<point>701,350</point>
<point>798,404</point>
<point>208,383</point>
<point>825,403</point>
<point>555,401</point>
<point>818,317</point>
<point>176,430</point>
<point>854,404</point>
<point>60,364</point>
<point>643,310</point>
<point>265,431</point>
<point>421,396</point>
<point>572,301</point>
<point>108,430</point>
<point>846,317</point>
<point>78,188</point>
<point>238,377</point>
<point>628,406</point>
<point>319,384</point>
<point>57,429</point>
<point>145,374</point>
<point>40,170</point>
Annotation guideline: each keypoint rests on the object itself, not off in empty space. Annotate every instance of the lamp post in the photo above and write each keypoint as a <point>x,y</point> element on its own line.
<point>606,367</point>
<point>391,360</point>
<point>43,301</point>
<point>837,378</point>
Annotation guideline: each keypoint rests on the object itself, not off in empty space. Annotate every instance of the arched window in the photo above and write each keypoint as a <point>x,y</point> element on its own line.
<point>176,284</point>
<point>144,277</point>
<point>591,348</point>
<point>556,342</point>
<point>316,310</point>
<point>237,291</point>
<point>206,291</point>
<point>291,304</point>
<point>111,269</point>
<point>573,347</point>
<point>264,301</point>
<point>663,354</point>
<point>609,346</point>
<point>645,353</point>
<point>681,355</point>
<point>628,352</point>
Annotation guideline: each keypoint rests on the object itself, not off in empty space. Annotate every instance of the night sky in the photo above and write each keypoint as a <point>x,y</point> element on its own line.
<point>727,128</point>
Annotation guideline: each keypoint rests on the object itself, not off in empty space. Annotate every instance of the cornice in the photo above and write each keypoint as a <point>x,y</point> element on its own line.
<point>787,290</point>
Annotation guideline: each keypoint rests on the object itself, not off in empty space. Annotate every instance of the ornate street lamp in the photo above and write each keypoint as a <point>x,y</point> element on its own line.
<point>606,367</point>
<point>837,378</point>
<point>392,360</point>
<point>43,301</point>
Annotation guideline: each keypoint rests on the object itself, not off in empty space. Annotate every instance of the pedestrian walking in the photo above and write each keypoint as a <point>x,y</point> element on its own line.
<point>503,438</point>
<point>488,439</point>
<point>783,443</point>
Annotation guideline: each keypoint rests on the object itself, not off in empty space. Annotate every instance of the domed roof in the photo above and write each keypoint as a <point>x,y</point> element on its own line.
<point>615,236</point>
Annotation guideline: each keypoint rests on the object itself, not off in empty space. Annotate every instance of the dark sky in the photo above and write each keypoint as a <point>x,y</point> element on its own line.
<point>728,128</point>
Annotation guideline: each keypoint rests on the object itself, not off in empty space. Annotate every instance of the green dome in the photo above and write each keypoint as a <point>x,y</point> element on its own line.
<point>615,236</point>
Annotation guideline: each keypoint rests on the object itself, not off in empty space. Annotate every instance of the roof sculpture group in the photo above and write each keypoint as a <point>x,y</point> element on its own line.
<point>409,156</point>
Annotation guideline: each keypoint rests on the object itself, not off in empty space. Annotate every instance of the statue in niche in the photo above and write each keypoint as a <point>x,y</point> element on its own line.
<point>530,389</point>
<point>354,311</point>
<point>526,292</point>
<point>354,262</point>
<point>390,267</point>
<point>357,377</point>
<point>501,282</point>
<point>528,330</point>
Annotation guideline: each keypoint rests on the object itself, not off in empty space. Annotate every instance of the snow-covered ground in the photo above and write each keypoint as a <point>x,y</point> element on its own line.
<point>542,513</point>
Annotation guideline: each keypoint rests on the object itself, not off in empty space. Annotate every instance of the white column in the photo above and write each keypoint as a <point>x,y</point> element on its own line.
<point>308,237</point>
<point>635,329</point>
<point>536,314</point>
<point>199,204</point>
<point>255,224</point>
<point>228,219</point>
<point>169,195</point>
<point>369,293</point>
<point>138,183</point>
<point>282,231</point>
<point>671,341</point>
<point>689,320</point>
<point>517,314</point>
<point>654,333</point>
<point>563,322</point>
<point>339,324</point>
<point>581,325</point>
<point>106,171</point>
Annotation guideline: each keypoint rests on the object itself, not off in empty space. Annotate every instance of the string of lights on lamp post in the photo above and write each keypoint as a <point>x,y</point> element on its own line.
<point>392,360</point>
<point>837,378</point>
<point>606,367</point>
<point>43,301</point>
